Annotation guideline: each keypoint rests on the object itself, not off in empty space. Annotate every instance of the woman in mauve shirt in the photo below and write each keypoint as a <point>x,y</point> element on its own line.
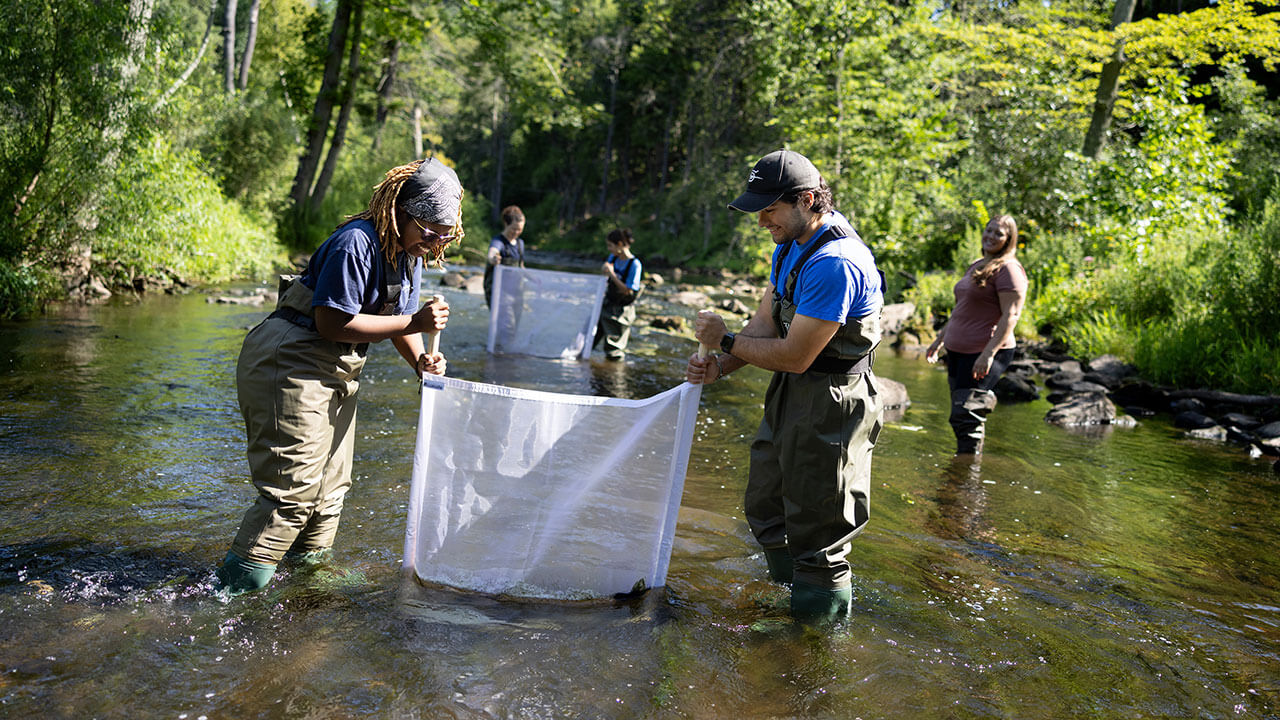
<point>978,337</point>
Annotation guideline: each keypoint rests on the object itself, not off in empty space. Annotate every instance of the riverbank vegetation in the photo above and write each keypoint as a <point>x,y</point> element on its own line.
<point>156,142</point>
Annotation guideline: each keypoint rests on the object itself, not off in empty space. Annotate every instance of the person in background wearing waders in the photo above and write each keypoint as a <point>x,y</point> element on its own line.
<point>978,336</point>
<point>506,248</point>
<point>299,369</point>
<point>618,311</point>
<point>819,320</point>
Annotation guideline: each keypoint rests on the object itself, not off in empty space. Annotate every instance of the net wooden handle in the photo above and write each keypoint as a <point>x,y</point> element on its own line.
<point>433,338</point>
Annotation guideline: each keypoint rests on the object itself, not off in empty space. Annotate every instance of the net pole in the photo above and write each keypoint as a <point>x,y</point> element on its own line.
<point>433,337</point>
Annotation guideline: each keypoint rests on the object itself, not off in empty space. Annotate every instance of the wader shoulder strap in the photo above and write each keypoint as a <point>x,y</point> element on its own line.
<point>788,290</point>
<point>615,296</point>
<point>295,306</point>
<point>391,285</point>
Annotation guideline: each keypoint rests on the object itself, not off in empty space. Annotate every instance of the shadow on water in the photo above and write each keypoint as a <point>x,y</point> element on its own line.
<point>79,570</point>
<point>1098,574</point>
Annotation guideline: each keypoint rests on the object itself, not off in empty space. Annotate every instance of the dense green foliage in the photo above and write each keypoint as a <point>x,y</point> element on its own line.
<point>120,142</point>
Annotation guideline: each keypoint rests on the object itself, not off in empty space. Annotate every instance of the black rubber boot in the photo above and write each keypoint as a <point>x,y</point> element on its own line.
<point>969,410</point>
<point>238,575</point>
<point>781,566</point>
<point>819,606</point>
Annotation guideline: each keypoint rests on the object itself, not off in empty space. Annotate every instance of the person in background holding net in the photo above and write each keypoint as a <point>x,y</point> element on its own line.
<point>506,248</point>
<point>299,369</point>
<point>618,311</point>
<point>978,337</point>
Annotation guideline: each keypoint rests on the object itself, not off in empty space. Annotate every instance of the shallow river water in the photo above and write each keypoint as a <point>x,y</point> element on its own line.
<point>1119,574</point>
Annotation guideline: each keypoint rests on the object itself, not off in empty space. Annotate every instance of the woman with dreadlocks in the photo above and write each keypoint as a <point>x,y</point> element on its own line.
<point>979,335</point>
<point>299,369</point>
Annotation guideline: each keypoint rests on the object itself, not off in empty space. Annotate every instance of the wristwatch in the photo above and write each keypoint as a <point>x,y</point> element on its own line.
<point>726,342</point>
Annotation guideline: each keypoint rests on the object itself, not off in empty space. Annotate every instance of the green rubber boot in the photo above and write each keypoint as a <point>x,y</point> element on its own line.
<point>781,566</point>
<point>238,575</point>
<point>819,606</point>
<point>308,558</point>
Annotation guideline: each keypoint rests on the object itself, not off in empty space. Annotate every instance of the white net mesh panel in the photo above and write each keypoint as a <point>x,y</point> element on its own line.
<point>543,313</point>
<point>538,494</point>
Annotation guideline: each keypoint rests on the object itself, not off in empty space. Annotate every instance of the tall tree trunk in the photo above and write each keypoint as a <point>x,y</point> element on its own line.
<point>310,159</point>
<point>37,167</point>
<point>608,142</point>
<point>386,84</point>
<point>497,121</point>
<point>186,74</point>
<point>229,47</point>
<point>80,251</point>
<point>666,152</point>
<point>1105,100</point>
<point>250,41</point>
<point>498,171</point>
<point>624,161</point>
<point>344,114</point>
<point>117,125</point>
<point>839,115</point>
<point>417,129</point>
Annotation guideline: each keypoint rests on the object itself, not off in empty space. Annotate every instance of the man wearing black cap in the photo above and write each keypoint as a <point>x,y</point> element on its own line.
<point>299,369</point>
<point>810,477</point>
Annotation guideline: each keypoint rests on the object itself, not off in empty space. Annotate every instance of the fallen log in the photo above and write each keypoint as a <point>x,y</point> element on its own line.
<point>1218,396</point>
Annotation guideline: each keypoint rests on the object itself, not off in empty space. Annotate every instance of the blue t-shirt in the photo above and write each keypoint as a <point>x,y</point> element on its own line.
<point>348,273</point>
<point>632,277</point>
<point>840,280</point>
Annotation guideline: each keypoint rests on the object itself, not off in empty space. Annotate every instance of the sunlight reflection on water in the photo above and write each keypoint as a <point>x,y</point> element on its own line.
<point>1108,574</point>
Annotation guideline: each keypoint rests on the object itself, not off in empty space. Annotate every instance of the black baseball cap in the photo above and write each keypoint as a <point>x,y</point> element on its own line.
<point>775,175</point>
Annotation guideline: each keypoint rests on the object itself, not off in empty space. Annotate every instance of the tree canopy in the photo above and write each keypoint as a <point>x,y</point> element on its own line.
<point>592,114</point>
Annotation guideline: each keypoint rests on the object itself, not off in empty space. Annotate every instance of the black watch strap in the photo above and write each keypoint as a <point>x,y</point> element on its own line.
<point>726,342</point>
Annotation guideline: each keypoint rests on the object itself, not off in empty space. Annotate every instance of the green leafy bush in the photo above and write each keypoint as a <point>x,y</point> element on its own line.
<point>25,289</point>
<point>163,217</point>
<point>934,299</point>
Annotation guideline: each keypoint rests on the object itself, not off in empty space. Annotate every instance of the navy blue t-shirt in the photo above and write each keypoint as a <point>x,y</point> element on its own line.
<point>348,273</point>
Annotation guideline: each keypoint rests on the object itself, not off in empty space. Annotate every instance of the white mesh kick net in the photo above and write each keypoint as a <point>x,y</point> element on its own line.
<point>539,494</point>
<point>543,313</point>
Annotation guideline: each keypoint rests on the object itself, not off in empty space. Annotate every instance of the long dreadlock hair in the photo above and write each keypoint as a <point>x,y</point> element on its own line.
<point>382,213</point>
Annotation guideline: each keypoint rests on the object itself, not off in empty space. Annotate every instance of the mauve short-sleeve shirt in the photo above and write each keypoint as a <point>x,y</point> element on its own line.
<point>977,311</point>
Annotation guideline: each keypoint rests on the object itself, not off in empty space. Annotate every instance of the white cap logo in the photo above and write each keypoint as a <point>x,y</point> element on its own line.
<point>754,176</point>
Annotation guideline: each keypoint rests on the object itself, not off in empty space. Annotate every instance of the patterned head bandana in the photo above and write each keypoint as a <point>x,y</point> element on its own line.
<point>433,194</point>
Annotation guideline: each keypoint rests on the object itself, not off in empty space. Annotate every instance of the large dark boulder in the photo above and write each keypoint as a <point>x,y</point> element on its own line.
<point>893,395</point>
<point>1188,404</point>
<point>1270,431</point>
<point>1133,393</point>
<point>894,317</point>
<point>1083,409</point>
<point>1023,367</point>
<point>1108,370</point>
<point>1064,379</point>
<point>1192,420</point>
<point>1076,388</point>
<point>1016,388</point>
<point>1241,421</point>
